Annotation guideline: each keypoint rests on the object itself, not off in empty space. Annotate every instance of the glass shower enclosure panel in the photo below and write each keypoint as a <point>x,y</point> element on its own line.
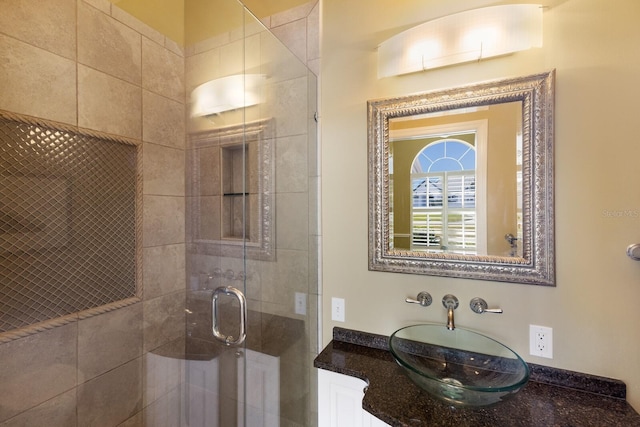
<point>251,317</point>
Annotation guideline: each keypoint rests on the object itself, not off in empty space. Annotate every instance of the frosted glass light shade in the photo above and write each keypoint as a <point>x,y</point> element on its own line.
<point>227,93</point>
<point>466,36</point>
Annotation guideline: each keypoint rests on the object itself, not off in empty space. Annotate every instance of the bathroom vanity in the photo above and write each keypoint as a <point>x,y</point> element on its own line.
<point>357,368</point>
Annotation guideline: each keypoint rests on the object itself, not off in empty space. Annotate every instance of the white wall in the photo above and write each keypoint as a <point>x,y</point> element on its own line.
<point>593,310</point>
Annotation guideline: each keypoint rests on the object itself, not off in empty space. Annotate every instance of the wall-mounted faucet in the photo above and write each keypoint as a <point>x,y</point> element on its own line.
<point>450,302</point>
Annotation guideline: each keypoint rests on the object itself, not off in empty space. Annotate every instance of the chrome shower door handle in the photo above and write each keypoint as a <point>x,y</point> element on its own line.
<point>242,334</point>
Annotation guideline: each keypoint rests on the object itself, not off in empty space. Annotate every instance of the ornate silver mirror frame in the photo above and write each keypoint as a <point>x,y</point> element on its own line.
<point>536,266</point>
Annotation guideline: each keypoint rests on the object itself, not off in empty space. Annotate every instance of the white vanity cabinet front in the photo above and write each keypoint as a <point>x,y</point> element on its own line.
<point>340,402</point>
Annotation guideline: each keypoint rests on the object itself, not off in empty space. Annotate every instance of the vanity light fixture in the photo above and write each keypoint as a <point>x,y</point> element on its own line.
<point>227,93</point>
<point>463,37</point>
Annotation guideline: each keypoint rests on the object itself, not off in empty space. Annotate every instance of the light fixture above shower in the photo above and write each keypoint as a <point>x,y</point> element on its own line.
<point>227,93</point>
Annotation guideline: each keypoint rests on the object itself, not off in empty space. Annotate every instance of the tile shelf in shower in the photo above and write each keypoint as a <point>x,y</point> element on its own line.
<point>270,334</point>
<point>266,333</point>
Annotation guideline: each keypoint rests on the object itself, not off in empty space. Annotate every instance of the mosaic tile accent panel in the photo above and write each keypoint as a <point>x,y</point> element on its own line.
<point>68,229</point>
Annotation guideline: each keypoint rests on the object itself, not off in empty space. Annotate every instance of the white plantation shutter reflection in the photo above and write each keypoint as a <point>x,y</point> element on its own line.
<point>443,216</point>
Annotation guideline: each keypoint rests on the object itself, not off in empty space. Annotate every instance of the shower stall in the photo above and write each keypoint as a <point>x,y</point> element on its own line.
<point>158,215</point>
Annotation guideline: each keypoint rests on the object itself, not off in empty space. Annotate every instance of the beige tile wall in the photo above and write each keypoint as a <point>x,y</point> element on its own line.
<point>108,45</point>
<point>90,65</point>
<point>27,72</point>
<point>299,30</point>
<point>108,104</point>
<point>47,360</point>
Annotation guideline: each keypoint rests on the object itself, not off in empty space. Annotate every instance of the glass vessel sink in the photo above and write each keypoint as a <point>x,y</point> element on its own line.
<point>459,366</point>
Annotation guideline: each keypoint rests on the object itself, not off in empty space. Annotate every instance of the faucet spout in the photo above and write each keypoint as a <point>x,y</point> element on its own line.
<point>450,302</point>
<point>451,325</point>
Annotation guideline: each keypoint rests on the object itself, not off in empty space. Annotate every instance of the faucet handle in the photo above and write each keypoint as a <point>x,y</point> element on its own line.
<point>423,298</point>
<point>478,305</point>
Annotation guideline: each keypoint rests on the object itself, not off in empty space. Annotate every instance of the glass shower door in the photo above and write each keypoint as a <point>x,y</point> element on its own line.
<point>251,230</point>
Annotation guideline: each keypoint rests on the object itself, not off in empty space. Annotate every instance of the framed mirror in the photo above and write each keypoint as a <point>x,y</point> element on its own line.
<point>461,182</point>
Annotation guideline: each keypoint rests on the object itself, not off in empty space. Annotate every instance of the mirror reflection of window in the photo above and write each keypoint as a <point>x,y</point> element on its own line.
<point>443,186</point>
<point>440,146</point>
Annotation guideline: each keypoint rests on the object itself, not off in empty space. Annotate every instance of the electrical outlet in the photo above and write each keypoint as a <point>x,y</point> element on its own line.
<point>337,309</point>
<point>301,303</point>
<point>541,341</point>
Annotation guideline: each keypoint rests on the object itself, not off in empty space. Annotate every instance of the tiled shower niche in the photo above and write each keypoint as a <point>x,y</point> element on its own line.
<point>68,222</point>
<point>231,191</point>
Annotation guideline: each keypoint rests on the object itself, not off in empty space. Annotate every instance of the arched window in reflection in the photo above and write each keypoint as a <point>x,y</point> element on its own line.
<point>443,208</point>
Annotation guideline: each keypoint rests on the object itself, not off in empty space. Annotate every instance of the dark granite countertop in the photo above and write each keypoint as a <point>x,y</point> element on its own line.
<point>552,397</point>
